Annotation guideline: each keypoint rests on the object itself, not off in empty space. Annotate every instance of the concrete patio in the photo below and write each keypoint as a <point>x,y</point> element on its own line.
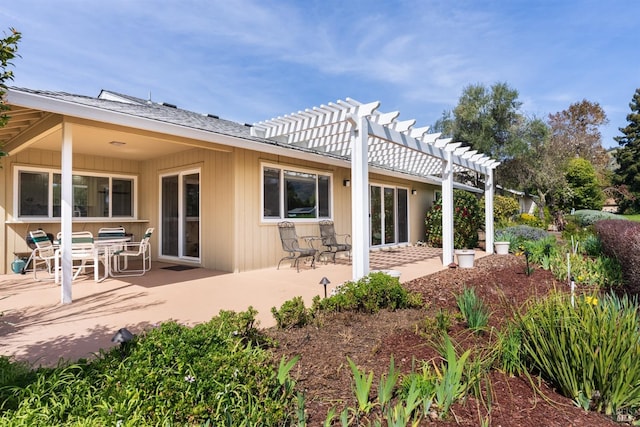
<point>34,326</point>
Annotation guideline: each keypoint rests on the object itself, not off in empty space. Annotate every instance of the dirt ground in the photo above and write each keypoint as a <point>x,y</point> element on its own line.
<point>371,340</point>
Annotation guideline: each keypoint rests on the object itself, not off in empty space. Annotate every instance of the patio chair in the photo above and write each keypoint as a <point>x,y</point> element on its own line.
<point>291,245</point>
<point>83,250</point>
<point>141,249</point>
<point>44,253</point>
<point>108,232</point>
<point>330,240</point>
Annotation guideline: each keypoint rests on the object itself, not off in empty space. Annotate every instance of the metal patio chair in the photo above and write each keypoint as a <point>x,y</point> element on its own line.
<point>291,244</point>
<point>44,252</point>
<point>141,249</point>
<point>330,240</point>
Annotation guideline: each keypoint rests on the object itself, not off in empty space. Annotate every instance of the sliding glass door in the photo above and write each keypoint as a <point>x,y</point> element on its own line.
<point>389,215</point>
<point>180,215</point>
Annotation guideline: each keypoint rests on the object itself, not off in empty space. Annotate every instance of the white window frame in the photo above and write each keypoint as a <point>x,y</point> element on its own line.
<point>281,196</point>
<point>51,172</point>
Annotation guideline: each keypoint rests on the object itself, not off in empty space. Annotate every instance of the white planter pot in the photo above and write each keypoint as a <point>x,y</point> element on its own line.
<point>502,248</point>
<point>465,257</point>
<point>392,273</point>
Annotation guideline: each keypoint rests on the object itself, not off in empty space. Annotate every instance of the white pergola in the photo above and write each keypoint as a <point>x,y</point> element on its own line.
<point>369,138</point>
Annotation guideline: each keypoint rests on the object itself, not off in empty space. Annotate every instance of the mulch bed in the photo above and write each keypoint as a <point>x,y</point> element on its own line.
<point>370,341</point>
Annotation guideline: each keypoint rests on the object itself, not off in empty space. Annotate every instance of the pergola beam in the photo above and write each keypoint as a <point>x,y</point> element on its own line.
<point>365,136</point>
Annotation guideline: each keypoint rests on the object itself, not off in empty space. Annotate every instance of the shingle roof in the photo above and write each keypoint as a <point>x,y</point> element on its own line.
<point>411,151</point>
<point>154,111</point>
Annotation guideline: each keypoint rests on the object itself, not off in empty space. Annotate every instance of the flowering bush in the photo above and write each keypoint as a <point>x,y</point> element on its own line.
<point>505,208</point>
<point>466,221</point>
<point>530,220</point>
<point>523,232</point>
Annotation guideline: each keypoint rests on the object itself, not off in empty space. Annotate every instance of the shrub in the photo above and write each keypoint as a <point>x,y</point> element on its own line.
<point>215,373</point>
<point>524,232</point>
<point>529,220</point>
<point>591,245</point>
<point>589,351</point>
<point>504,208</point>
<point>541,249</point>
<point>585,217</point>
<point>292,314</point>
<point>368,295</point>
<point>467,217</point>
<point>621,240</point>
<point>603,272</point>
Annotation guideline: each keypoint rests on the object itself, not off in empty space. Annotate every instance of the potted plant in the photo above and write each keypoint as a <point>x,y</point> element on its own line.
<point>502,243</point>
<point>465,257</point>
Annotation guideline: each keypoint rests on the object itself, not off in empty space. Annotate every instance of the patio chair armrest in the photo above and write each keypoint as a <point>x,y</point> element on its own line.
<point>347,237</point>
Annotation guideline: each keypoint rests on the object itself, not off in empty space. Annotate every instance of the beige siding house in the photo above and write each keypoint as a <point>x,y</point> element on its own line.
<point>214,190</point>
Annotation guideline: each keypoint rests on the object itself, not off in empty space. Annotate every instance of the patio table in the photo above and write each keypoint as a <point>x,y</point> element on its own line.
<point>108,245</point>
<point>102,246</point>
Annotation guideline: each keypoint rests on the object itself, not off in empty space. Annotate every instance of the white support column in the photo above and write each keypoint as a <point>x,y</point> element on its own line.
<point>447,208</point>
<point>66,211</point>
<point>488,211</point>
<point>360,198</point>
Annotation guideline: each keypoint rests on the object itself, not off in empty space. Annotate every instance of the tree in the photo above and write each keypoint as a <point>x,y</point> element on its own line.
<point>489,120</point>
<point>8,51</point>
<point>627,175</point>
<point>584,189</point>
<point>575,132</point>
<point>537,171</point>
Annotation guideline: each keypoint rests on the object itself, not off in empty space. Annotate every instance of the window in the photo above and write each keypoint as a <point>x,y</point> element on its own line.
<point>295,194</point>
<point>94,195</point>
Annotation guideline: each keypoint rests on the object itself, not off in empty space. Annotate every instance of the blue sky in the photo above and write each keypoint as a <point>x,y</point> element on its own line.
<point>252,60</point>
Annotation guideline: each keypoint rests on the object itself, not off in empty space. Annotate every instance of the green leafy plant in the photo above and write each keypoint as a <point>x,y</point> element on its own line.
<point>505,209</point>
<point>216,372</point>
<point>450,385</point>
<point>473,309</point>
<point>509,351</point>
<point>467,219</point>
<point>292,314</point>
<point>362,387</point>
<point>368,295</point>
<point>589,351</point>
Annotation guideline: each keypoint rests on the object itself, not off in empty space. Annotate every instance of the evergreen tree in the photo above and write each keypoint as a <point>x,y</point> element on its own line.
<point>627,175</point>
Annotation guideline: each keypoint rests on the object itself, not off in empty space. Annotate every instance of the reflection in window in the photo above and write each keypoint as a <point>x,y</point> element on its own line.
<point>300,200</point>
<point>94,196</point>
<point>301,195</point>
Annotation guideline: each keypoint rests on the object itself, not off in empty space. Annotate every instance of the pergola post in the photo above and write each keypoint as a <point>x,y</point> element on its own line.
<point>488,211</point>
<point>447,208</point>
<point>360,198</point>
<point>66,212</point>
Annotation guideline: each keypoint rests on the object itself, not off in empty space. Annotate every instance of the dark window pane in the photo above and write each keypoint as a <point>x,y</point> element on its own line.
<point>300,200</point>
<point>403,223</point>
<point>389,216</point>
<point>324,207</point>
<point>34,194</point>
<point>122,197</point>
<point>376,216</point>
<point>271,194</point>
<point>169,234</point>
